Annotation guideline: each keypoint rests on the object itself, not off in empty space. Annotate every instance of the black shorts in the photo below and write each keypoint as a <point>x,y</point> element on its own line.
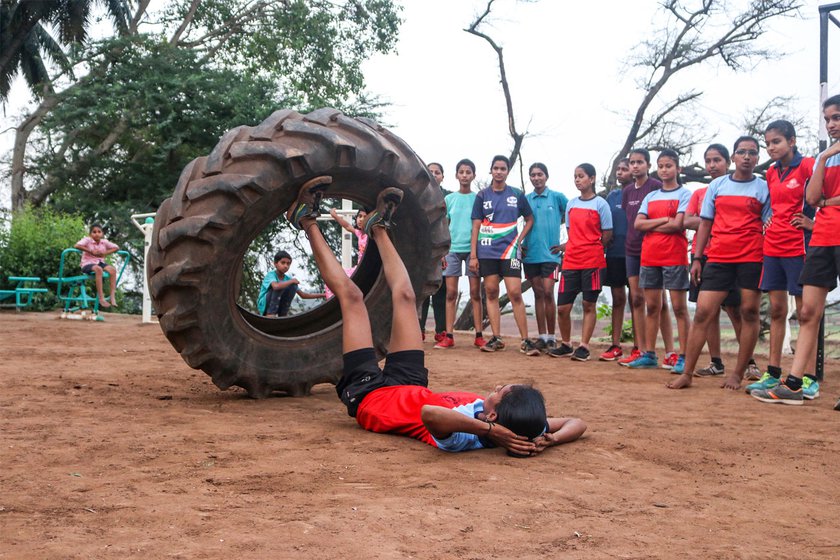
<point>573,282</point>
<point>733,298</point>
<point>506,268</point>
<point>721,277</point>
<point>362,374</point>
<point>541,270</point>
<point>88,268</point>
<point>822,267</point>
<point>616,275</point>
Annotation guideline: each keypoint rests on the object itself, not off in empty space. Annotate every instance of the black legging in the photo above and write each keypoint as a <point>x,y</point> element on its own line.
<point>438,301</point>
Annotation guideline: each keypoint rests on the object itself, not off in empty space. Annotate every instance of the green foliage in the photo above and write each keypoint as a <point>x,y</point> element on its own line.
<point>604,311</point>
<point>31,245</point>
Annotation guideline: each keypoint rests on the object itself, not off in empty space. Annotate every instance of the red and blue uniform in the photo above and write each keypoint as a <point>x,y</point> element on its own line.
<point>827,223</point>
<point>787,197</point>
<point>396,410</point>
<point>586,220</point>
<point>738,210</point>
<point>665,249</point>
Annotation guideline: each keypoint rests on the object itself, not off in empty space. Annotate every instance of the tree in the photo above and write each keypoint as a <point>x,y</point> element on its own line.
<point>309,52</point>
<point>24,41</point>
<point>518,137</point>
<point>696,32</point>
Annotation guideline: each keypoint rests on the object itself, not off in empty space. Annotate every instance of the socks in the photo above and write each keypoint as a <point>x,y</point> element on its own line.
<point>717,361</point>
<point>479,335</point>
<point>775,371</point>
<point>793,383</point>
<point>450,336</point>
<point>811,376</point>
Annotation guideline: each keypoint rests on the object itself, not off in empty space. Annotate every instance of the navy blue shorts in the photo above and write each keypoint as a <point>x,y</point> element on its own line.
<point>782,273</point>
<point>634,265</point>
<point>88,268</point>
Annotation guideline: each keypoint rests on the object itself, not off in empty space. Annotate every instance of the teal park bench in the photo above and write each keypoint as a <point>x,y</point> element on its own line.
<point>71,285</point>
<point>22,292</point>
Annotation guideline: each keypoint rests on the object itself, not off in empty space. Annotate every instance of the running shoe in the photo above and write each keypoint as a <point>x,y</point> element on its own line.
<point>445,342</point>
<point>837,406</point>
<point>679,367</point>
<point>479,341</point>
<point>780,394</point>
<point>810,388</point>
<point>635,354</point>
<point>528,348</point>
<point>670,360</point>
<point>766,383</point>
<point>581,354</point>
<point>493,345</point>
<point>550,345</point>
<point>439,336</point>
<point>563,350</point>
<point>382,216</point>
<point>541,345</point>
<point>612,354</point>
<point>710,371</point>
<point>308,201</point>
<point>752,373</point>
<point>645,361</point>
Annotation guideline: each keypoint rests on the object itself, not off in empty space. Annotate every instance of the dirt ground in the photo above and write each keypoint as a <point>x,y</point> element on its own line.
<point>113,448</point>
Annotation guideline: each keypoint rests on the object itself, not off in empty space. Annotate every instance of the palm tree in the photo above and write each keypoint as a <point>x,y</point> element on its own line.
<point>24,41</point>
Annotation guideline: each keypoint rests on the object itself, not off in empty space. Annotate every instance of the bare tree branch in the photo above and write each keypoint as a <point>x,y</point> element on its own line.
<point>514,134</point>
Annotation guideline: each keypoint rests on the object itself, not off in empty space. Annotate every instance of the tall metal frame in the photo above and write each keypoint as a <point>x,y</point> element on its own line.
<point>826,16</point>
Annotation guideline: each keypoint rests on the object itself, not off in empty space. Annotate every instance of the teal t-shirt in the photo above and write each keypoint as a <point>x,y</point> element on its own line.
<point>459,211</point>
<point>549,211</point>
<point>265,286</point>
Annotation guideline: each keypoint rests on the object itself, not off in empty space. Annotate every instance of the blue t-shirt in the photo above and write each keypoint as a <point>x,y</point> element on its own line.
<point>549,209</point>
<point>459,208</point>
<point>265,286</point>
<point>615,250</point>
<point>462,441</point>
<point>499,212</point>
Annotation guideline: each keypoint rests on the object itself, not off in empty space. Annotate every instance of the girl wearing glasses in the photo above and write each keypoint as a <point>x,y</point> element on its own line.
<point>734,211</point>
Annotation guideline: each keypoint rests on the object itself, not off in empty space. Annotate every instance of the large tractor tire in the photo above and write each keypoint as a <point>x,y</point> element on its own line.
<point>223,201</point>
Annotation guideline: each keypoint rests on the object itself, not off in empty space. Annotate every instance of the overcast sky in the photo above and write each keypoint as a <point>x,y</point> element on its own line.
<point>571,87</point>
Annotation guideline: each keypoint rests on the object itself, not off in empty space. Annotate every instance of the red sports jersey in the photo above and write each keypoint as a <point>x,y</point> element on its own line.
<point>787,195</point>
<point>738,210</point>
<point>585,221</point>
<point>827,222</point>
<point>665,249</point>
<point>396,409</point>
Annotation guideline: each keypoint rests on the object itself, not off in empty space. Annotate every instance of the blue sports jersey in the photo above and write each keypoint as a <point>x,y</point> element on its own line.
<point>499,213</point>
<point>549,208</point>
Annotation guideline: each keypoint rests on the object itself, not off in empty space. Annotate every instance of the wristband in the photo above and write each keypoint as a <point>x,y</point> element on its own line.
<point>489,428</point>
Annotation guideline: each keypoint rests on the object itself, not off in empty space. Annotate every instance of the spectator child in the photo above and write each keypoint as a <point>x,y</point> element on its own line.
<point>278,288</point>
<point>94,249</point>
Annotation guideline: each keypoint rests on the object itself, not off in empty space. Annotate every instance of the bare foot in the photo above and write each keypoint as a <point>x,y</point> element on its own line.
<point>114,302</point>
<point>104,304</point>
<point>731,382</point>
<point>681,382</point>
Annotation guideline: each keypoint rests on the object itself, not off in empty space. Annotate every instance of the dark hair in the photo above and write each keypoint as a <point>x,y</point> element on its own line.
<point>93,227</point>
<point>500,158</point>
<point>642,152</point>
<point>719,148</point>
<point>671,154</point>
<point>436,163</point>
<point>785,128</point>
<point>744,139</point>
<point>281,255</point>
<point>624,160</point>
<point>522,411</point>
<point>467,162</point>
<point>540,166</point>
<point>588,168</point>
<point>833,100</point>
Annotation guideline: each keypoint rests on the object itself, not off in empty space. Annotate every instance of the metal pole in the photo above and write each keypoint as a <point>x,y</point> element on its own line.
<point>146,229</point>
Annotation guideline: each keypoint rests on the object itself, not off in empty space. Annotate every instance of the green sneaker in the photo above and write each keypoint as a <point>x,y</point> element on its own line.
<point>308,201</point>
<point>766,383</point>
<point>781,394</point>
<point>810,388</point>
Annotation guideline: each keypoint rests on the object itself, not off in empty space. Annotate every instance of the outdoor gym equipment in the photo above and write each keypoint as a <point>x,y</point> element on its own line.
<point>22,292</point>
<point>145,228</point>
<point>223,201</point>
<point>71,289</point>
